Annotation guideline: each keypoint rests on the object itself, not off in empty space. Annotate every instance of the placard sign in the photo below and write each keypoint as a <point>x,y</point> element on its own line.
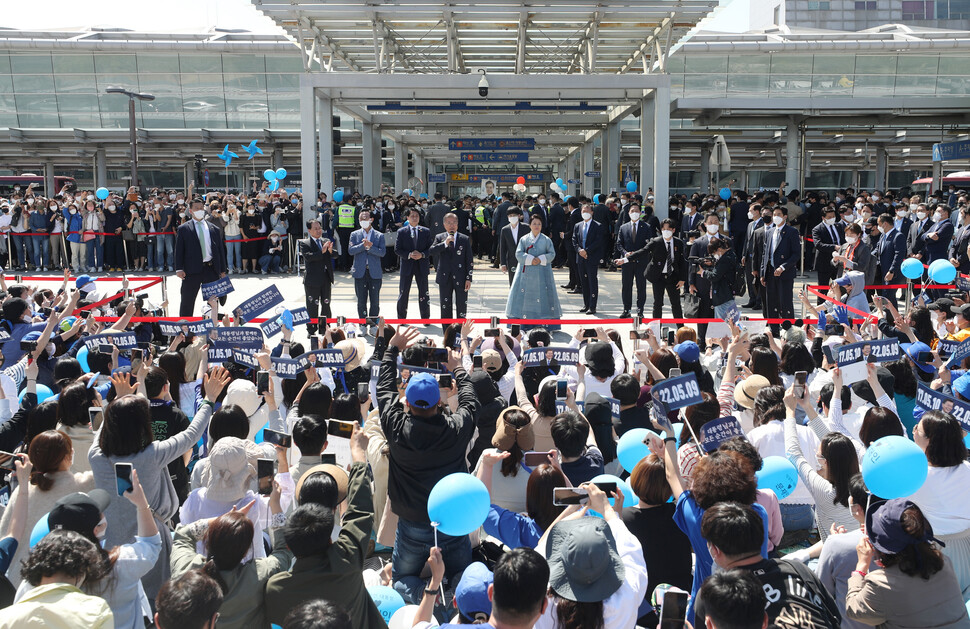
<point>121,340</point>
<point>217,288</point>
<point>717,431</point>
<point>274,326</point>
<point>239,337</point>
<point>286,368</point>
<point>246,358</point>
<point>188,328</point>
<point>671,394</point>
<point>258,304</point>
<point>552,355</point>
<point>929,400</point>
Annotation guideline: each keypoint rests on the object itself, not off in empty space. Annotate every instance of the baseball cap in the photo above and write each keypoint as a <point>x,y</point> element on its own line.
<point>79,512</point>
<point>491,360</point>
<point>422,391</point>
<point>82,281</point>
<point>471,595</point>
<point>943,303</point>
<point>963,311</point>
<point>688,351</point>
<point>885,528</point>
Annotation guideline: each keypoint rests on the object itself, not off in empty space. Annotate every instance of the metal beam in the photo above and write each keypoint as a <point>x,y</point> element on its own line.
<point>520,44</point>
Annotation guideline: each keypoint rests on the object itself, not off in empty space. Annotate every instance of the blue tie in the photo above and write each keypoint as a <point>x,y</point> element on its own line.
<point>585,231</point>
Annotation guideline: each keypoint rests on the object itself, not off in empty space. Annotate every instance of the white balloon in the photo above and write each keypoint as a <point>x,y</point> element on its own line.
<point>404,618</point>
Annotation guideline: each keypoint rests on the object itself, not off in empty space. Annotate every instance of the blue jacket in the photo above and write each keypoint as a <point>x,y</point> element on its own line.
<point>892,252</point>
<point>73,223</point>
<point>364,258</point>
<point>937,249</point>
<point>786,253</point>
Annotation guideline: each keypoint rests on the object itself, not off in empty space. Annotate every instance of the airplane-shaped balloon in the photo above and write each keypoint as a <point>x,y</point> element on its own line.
<point>252,150</point>
<point>227,156</point>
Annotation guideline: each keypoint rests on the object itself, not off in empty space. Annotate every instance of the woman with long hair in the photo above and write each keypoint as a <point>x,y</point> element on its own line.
<point>764,362</point>
<point>52,455</point>
<point>942,498</point>
<point>837,464</point>
<point>516,529</point>
<point>914,585</point>
<point>227,540</point>
<point>512,439</point>
<point>73,419</point>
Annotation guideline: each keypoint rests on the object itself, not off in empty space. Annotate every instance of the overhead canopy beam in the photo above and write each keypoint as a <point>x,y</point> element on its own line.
<point>520,44</point>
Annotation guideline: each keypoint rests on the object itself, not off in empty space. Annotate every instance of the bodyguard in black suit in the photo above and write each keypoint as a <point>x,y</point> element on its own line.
<point>666,268</point>
<point>779,266</point>
<point>412,247</point>
<point>508,241</point>
<point>958,250</point>
<point>828,236</point>
<point>937,239</point>
<point>453,252</point>
<point>751,252</point>
<point>200,255</point>
<point>633,236</point>
<point>690,220</point>
<point>697,283</point>
<point>317,254</point>
<point>573,218</point>
<point>892,251</point>
<point>588,240</point>
<point>914,238</point>
<point>557,228</point>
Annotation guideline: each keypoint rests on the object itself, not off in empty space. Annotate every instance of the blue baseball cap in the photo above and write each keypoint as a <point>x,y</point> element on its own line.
<point>32,336</point>
<point>962,385</point>
<point>688,351</point>
<point>422,391</point>
<point>471,595</point>
<point>82,280</point>
<point>913,349</point>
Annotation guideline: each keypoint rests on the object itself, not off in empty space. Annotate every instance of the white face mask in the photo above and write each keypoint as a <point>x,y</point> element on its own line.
<point>912,206</point>
<point>158,207</point>
<point>274,240</point>
<point>937,217</point>
<point>198,214</point>
<point>634,216</point>
<point>866,216</point>
<point>250,211</point>
<point>587,216</point>
<point>859,205</point>
<point>673,207</point>
<point>181,214</point>
<point>171,197</point>
<point>90,197</point>
<point>921,215</point>
<point>667,234</point>
<point>713,229</point>
<point>542,201</point>
<point>829,221</point>
<point>689,209</point>
<point>391,206</point>
<point>751,216</point>
<point>72,211</point>
<point>882,230</point>
<point>181,201</point>
<point>54,208</point>
<point>876,197</point>
<point>513,220</point>
<point>365,224</point>
<point>717,256</point>
<point>851,239</point>
<point>777,220</point>
<point>111,208</point>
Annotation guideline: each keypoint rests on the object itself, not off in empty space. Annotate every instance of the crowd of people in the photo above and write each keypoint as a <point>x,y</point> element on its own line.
<point>145,485</point>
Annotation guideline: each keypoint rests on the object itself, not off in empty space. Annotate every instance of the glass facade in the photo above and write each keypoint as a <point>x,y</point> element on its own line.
<point>796,75</point>
<point>192,90</point>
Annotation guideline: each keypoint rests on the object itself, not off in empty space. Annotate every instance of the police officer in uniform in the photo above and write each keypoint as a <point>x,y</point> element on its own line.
<point>346,224</point>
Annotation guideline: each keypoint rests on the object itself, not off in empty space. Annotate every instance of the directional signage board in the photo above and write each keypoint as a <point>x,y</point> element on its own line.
<point>491,144</point>
<point>947,151</point>
<point>499,178</point>
<point>437,178</point>
<point>494,157</point>
<point>591,173</point>
<point>574,181</point>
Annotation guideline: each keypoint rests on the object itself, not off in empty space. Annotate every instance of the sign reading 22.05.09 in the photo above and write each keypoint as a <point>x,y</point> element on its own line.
<point>674,393</point>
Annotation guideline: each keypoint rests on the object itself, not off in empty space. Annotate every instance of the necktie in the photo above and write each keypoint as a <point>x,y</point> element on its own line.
<point>670,257</point>
<point>585,231</point>
<point>319,244</point>
<point>199,228</point>
<point>634,232</point>
<point>835,238</point>
<point>414,236</point>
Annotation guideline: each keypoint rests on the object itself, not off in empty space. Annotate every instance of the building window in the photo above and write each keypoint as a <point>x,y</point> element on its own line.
<point>865,5</point>
<point>819,5</point>
<point>917,10</point>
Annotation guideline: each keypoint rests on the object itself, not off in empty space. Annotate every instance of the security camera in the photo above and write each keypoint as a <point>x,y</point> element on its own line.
<point>483,86</point>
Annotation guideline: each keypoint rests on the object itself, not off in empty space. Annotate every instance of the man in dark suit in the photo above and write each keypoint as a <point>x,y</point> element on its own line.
<point>892,252</point>
<point>573,218</point>
<point>666,268</point>
<point>436,215</point>
<point>508,241</point>
<point>499,220</point>
<point>758,256</point>
<point>317,254</point>
<point>779,266</point>
<point>557,228</point>
<point>828,236</point>
<point>914,238</point>
<point>697,283</point>
<point>200,257</point>
<point>958,250</point>
<point>936,240</point>
<point>588,241</point>
<point>750,252</point>
<point>412,247</point>
<point>633,236</point>
<point>690,220</point>
<point>454,256</point>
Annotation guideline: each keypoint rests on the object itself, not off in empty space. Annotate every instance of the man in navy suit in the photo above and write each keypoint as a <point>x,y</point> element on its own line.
<point>633,236</point>
<point>779,265</point>
<point>758,219</point>
<point>413,246</point>
<point>828,236</point>
<point>958,250</point>
<point>453,252</point>
<point>588,243</point>
<point>937,238</point>
<point>914,238</point>
<point>200,257</point>
<point>892,252</point>
<point>367,249</point>
<point>691,220</point>
<point>317,254</point>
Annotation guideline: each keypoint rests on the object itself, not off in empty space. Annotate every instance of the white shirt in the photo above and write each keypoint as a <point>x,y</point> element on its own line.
<point>945,498</point>
<point>620,609</point>
<point>207,254</point>
<point>5,222</point>
<point>769,439</point>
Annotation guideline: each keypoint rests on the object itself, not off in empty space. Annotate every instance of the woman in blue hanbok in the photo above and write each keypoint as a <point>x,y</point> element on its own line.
<point>533,293</point>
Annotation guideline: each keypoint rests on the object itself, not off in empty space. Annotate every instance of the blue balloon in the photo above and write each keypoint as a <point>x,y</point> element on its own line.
<point>43,392</point>
<point>894,467</point>
<point>596,198</point>
<point>631,186</point>
<point>338,196</point>
<point>40,530</point>
<point>560,182</point>
<point>286,320</point>
<point>423,195</point>
<point>942,272</point>
<point>678,428</point>
<point>273,185</point>
<point>912,268</point>
<point>281,173</point>
<point>387,600</point>
<point>101,193</point>
<point>269,174</point>
<point>724,193</point>
<point>459,503</point>
<point>631,449</point>
<point>82,357</point>
<point>629,498</point>
<point>779,475</point>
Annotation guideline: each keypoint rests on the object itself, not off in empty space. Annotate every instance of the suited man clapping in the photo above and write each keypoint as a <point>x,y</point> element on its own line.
<point>367,248</point>
<point>317,254</point>
<point>412,247</point>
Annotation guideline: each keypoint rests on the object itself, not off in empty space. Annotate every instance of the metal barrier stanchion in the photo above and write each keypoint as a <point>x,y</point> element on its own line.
<point>124,245</point>
<point>165,293</point>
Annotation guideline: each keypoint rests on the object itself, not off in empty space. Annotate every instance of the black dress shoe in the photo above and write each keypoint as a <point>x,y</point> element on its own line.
<point>591,311</point>
<point>574,291</point>
<point>625,314</point>
<point>566,286</point>
<point>639,314</point>
<point>583,309</point>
